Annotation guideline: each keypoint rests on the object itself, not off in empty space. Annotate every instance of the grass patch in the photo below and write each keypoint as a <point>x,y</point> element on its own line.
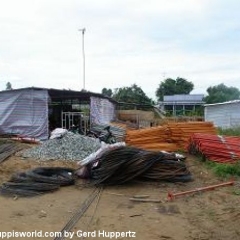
<point>224,170</point>
<point>235,131</point>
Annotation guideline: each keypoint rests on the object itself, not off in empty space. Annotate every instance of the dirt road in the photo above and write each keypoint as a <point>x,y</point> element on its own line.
<point>209,215</point>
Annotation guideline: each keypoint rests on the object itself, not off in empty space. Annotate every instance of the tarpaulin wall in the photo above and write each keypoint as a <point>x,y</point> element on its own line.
<point>102,111</point>
<point>24,112</point>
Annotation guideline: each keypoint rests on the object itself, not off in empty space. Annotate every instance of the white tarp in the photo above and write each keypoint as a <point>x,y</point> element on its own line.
<point>102,111</point>
<point>24,112</point>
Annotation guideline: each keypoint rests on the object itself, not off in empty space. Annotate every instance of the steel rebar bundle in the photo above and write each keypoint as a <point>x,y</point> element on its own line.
<point>7,149</point>
<point>127,163</point>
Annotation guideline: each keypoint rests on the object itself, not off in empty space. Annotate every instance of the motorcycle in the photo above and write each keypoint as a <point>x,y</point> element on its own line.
<point>76,129</point>
<point>104,136</point>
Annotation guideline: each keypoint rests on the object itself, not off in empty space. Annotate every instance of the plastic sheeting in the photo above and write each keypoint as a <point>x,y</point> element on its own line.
<point>102,111</point>
<point>24,112</point>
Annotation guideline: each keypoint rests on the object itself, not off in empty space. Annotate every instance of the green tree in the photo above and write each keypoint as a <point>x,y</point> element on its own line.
<point>107,92</point>
<point>132,94</point>
<point>170,87</point>
<point>221,93</point>
<point>8,86</point>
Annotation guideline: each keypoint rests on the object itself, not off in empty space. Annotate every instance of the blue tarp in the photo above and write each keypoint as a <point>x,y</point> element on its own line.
<point>24,112</point>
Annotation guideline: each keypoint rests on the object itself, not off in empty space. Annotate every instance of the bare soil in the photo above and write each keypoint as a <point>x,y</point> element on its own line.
<point>206,215</point>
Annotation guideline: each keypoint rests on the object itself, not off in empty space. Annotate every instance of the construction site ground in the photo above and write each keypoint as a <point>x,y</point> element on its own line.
<point>206,215</point>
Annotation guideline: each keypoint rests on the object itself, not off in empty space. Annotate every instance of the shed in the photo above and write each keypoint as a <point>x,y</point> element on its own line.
<point>225,114</point>
<point>32,112</point>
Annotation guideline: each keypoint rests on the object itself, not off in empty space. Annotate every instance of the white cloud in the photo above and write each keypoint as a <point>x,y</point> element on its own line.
<point>126,42</point>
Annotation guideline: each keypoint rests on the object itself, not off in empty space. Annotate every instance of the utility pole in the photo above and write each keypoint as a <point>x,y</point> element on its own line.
<point>83,53</point>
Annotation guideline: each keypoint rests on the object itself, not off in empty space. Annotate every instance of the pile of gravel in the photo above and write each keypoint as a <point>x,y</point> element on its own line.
<point>70,147</point>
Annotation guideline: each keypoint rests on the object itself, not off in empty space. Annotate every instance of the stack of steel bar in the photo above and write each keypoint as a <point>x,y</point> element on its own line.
<point>7,149</point>
<point>154,139</point>
<point>221,149</point>
<point>127,163</point>
<point>37,181</point>
<point>182,131</point>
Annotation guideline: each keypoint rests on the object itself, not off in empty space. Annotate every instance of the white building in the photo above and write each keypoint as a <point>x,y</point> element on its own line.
<point>181,104</point>
<point>225,115</point>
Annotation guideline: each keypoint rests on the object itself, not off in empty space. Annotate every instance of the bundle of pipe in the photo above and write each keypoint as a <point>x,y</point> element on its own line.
<point>127,163</point>
<point>154,139</point>
<point>170,137</point>
<point>182,131</point>
<point>221,149</point>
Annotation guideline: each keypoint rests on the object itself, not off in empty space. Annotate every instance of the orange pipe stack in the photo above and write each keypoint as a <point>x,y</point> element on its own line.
<point>170,137</point>
<point>221,149</point>
<point>182,131</point>
<point>154,139</point>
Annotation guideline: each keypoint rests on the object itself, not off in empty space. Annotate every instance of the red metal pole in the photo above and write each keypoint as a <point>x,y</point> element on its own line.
<point>172,196</point>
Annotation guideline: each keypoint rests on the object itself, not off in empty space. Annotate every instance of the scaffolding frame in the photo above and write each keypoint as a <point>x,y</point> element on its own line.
<point>69,119</point>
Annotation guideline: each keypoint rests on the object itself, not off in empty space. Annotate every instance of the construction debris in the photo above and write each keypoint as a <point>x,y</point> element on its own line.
<point>145,200</point>
<point>221,149</point>
<point>141,196</point>
<point>71,146</point>
<point>118,130</point>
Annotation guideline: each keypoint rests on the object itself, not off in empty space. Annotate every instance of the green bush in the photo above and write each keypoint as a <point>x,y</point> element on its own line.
<point>224,170</point>
<point>235,131</point>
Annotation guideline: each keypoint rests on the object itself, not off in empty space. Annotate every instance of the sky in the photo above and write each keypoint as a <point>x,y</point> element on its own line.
<point>126,42</point>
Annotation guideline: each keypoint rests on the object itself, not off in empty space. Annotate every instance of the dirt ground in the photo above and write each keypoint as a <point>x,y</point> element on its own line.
<point>207,215</point>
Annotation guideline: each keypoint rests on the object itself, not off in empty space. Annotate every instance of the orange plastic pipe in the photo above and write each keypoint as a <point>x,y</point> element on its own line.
<point>172,196</point>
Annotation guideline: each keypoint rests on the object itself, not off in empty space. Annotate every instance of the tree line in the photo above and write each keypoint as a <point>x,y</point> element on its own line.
<point>134,94</point>
<point>169,86</point>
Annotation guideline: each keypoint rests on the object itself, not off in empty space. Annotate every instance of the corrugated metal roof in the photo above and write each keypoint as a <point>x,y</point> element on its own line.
<point>183,98</point>
<point>222,103</point>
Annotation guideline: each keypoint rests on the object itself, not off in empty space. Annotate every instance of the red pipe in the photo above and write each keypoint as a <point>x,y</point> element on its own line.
<point>222,149</point>
<point>172,196</point>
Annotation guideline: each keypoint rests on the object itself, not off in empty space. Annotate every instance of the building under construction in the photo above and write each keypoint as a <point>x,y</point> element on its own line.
<point>33,112</point>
